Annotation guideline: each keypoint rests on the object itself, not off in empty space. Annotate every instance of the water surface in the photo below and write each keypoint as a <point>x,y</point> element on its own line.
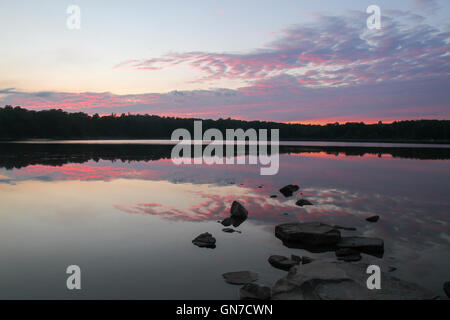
<point>126,215</point>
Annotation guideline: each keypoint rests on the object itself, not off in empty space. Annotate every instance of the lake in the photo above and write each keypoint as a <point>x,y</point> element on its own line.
<point>126,215</point>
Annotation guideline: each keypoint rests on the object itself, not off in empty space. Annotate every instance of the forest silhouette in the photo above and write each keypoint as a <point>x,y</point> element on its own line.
<point>20,123</point>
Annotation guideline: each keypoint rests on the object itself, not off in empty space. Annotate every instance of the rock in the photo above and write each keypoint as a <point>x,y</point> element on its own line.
<point>288,190</point>
<point>230,230</point>
<point>274,196</point>
<point>348,254</point>
<point>306,234</point>
<point>337,280</point>
<point>234,221</point>
<point>344,228</point>
<point>238,211</point>
<point>351,258</point>
<point>362,244</point>
<point>303,202</point>
<point>240,277</point>
<point>296,258</point>
<point>205,240</point>
<point>252,291</point>
<point>447,288</point>
<point>373,219</point>
<point>281,262</point>
<point>306,260</point>
<point>227,222</point>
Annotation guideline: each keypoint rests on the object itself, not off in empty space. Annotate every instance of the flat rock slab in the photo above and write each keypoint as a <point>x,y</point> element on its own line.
<point>205,240</point>
<point>308,234</point>
<point>282,263</point>
<point>238,211</point>
<point>337,280</point>
<point>348,254</point>
<point>240,277</point>
<point>252,291</point>
<point>363,244</point>
<point>289,190</point>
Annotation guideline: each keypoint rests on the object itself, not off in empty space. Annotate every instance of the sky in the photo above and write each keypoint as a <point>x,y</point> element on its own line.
<point>286,61</point>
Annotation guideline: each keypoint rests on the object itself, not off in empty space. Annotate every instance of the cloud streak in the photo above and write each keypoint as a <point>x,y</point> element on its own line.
<point>331,70</point>
<point>334,51</point>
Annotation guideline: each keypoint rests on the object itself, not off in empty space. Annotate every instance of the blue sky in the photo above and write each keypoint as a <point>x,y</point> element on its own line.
<point>133,55</point>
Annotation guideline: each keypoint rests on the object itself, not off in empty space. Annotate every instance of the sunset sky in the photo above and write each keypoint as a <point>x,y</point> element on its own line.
<point>287,61</point>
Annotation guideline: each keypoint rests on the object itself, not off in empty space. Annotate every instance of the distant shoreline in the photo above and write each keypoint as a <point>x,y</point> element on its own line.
<point>28,140</point>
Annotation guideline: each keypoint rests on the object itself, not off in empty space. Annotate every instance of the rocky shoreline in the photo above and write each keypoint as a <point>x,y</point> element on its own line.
<point>318,279</point>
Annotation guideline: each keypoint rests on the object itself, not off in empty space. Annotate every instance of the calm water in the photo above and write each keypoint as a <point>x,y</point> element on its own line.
<point>126,215</point>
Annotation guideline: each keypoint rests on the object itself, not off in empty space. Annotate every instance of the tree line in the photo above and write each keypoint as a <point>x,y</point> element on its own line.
<point>20,123</point>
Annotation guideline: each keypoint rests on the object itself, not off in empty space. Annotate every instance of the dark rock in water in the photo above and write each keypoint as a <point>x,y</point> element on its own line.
<point>205,240</point>
<point>240,277</point>
<point>344,228</point>
<point>351,258</point>
<point>252,291</point>
<point>238,211</point>
<point>447,288</point>
<point>230,230</point>
<point>296,258</point>
<point>274,196</point>
<point>348,254</point>
<point>234,221</point>
<point>282,263</point>
<point>362,244</point>
<point>373,219</point>
<point>337,280</point>
<point>289,190</point>
<point>260,187</point>
<point>308,234</point>
<point>306,260</point>
<point>227,222</point>
<point>303,202</point>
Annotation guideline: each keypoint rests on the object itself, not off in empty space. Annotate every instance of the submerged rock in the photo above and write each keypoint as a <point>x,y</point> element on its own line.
<point>274,196</point>
<point>337,280</point>
<point>205,240</point>
<point>308,234</point>
<point>240,277</point>
<point>230,230</point>
<point>306,260</point>
<point>252,291</point>
<point>238,211</point>
<point>363,244</point>
<point>373,219</point>
<point>282,263</point>
<point>289,190</point>
<point>233,221</point>
<point>447,288</point>
<point>344,228</point>
<point>303,202</point>
<point>348,254</point>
